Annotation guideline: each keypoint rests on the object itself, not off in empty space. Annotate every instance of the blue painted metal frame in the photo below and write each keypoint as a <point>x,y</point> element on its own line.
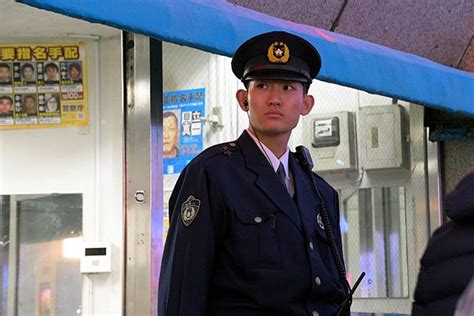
<point>219,27</point>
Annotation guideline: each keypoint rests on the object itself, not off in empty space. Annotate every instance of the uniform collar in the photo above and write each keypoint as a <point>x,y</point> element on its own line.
<point>274,161</point>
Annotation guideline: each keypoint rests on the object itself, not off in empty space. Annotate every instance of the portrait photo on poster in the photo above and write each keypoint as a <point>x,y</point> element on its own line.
<point>51,72</point>
<point>29,105</point>
<point>171,130</point>
<point>5,73</point>
<point>52,103</point>
<point>74,71</point>
<point>27,72</point>
<point>6,106</point>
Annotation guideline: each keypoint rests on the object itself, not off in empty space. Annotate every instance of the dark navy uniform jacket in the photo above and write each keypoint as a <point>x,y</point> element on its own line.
<point>251,249</point>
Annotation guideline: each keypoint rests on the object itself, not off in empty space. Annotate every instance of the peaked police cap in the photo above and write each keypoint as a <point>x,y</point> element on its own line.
<point>276,55</point>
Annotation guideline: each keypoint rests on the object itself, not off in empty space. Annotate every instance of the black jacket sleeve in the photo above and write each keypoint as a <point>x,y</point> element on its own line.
<point>190,247</point>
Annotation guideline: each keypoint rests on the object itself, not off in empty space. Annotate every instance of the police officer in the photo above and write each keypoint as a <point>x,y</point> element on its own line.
<point>246,235</point>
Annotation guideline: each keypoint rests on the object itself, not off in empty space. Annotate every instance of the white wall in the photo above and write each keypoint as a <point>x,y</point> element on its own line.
<point>107,289</point>
<point>81,160</point>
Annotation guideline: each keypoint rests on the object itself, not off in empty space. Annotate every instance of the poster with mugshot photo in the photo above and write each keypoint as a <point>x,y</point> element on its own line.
<point>26,109</point>
<point>27,72</point>
<point>71,72</point>
<point>47,84</point>
<point>182,128</point>
<point>48,76</point>
<point>71,81</point>
<point>6,109</point>
<point>6,77</point>
<point>24,77</point>
<point>49,108</point>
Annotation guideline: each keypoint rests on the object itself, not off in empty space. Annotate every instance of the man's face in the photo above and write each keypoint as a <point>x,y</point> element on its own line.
<point>51,74</point>
<point>74,73</point>
<point>5,105</point>
<point>275,106</point>
<point>28,73</point>
<point>30,105</point>
<point>4,74</point>
<point>170,134</point>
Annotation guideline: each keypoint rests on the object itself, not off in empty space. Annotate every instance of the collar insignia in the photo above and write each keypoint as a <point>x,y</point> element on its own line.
<point>278,53</point>
<point>189,210</point>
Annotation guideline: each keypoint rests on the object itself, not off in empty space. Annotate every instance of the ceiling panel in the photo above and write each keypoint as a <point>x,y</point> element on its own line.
<point>22,21</point>
<point>436,29</point>
<point>320,13</point>
<point>440,30</point>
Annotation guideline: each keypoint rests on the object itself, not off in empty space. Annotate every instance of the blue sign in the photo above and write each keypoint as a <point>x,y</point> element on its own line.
<point>182,128</point>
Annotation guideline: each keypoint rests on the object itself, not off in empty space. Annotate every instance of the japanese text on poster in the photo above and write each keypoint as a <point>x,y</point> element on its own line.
<point>43,86</point>
<point>182,128</point>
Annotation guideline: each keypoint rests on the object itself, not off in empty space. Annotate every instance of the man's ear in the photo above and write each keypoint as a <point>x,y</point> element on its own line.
<point>241,96</point>
<point>307,105</point>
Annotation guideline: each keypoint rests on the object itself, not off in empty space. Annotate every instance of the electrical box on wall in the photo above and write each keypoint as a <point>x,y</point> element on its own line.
<point>331,139</point>
<point>383,137</point>
<point>96,257</point>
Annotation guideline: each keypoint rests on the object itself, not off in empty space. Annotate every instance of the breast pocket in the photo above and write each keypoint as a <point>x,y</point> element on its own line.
<point>255,239</point>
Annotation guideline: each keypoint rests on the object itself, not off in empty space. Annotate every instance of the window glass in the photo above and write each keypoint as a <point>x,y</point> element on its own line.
<point>42,239</point>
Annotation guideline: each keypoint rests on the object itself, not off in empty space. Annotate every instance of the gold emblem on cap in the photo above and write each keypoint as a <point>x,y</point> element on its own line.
<point>278,53</point>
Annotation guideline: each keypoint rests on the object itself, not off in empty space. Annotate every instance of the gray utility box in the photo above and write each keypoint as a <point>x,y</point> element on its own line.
<point>331,139</point>
<point>384,137</point>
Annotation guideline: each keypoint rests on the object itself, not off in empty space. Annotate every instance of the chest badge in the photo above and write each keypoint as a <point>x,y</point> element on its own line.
<point>319,219</point>
<point>189,210</point>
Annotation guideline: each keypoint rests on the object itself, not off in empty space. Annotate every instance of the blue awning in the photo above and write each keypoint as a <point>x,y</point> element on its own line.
<point>219,27</point>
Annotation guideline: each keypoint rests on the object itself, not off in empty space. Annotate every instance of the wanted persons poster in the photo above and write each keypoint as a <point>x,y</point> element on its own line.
<point>43,86</point>
<point>182,128</point>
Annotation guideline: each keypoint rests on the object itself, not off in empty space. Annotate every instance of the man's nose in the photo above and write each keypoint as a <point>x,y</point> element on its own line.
<point>274,99</point>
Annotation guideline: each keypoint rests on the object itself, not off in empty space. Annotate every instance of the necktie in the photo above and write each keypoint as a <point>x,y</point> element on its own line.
<point>282,175</point>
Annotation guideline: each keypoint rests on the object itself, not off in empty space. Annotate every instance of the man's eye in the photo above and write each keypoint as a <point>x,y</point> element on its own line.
<point>261,85</point>
<point>288,87</point>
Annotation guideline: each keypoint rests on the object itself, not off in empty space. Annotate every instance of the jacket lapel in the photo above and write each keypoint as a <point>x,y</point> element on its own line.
<point>306,199</point>
<point>267,180</point>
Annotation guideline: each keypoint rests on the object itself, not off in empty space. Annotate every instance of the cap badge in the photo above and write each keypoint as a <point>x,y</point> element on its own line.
<point>278,53</point>
<point>189,210</point>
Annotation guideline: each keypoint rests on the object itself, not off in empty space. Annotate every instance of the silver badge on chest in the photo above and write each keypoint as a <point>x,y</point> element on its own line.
<point>319,219</point>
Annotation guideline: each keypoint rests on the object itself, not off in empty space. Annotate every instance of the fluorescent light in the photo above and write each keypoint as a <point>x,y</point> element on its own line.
<point>72,248</point>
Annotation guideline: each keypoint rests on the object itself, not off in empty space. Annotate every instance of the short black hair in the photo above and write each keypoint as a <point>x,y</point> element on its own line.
<point>5,65</point>
<point>6,97</point>
<point>51,65</point>
<point>29,96</point>
<point>74,65</point>
<point>170,114</point>
<point>27,65</point>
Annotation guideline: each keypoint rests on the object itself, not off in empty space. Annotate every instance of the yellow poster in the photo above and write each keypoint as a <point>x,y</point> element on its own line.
<point>43,86</point>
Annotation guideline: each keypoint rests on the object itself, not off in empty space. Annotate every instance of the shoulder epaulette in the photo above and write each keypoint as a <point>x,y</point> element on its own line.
<point>225,149</point>
<point>228,148</point>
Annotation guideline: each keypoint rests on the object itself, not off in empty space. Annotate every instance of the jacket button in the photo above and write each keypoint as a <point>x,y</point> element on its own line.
<point>311,245</point>
<point>317,280</point>
<point>315,313</point>
<point>258,219</point>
